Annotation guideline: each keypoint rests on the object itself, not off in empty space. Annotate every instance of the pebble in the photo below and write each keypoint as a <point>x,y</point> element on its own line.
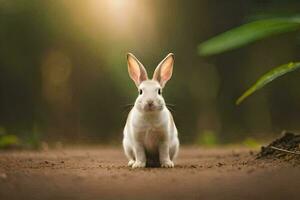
<point>3,176</point>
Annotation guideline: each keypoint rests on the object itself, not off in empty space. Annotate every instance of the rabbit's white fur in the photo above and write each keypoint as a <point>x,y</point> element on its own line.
<point>150,130</point>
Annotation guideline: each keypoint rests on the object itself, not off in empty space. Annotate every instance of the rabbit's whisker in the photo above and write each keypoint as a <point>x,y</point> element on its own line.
<point>171,109</point>
<point>171,105</point>
<point>127,107</point>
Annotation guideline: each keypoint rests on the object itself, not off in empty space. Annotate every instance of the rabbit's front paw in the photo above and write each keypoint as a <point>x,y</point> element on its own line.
<point>130,163</point>
<point>139,164</point>
<point>167,164</point>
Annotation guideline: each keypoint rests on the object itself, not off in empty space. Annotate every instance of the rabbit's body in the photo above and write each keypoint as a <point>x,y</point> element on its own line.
<point>150,130</point>
<point>150,134</point>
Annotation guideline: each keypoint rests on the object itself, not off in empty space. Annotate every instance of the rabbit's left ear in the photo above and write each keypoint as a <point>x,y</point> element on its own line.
<point>164,70</point>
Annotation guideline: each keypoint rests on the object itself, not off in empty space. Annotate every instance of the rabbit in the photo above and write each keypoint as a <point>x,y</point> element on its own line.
<point>150,133</point>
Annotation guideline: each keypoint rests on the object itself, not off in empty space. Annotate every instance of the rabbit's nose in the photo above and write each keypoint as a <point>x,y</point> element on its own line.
<point>150,103</point>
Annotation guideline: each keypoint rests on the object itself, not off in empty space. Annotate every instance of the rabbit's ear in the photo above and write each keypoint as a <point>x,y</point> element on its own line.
<point>136,70</point>
<point>164,70</point>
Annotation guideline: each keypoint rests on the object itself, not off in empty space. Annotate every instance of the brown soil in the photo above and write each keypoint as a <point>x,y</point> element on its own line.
<point>285,148</point>
<point>100,173</point>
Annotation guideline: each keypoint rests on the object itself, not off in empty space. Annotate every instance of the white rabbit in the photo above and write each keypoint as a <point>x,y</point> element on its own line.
<point>150,133</point>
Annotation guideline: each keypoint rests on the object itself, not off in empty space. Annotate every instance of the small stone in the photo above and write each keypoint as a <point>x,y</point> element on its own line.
<point>3,176</point>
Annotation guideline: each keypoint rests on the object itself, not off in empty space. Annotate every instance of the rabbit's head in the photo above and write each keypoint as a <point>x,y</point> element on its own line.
<point>150,97</point>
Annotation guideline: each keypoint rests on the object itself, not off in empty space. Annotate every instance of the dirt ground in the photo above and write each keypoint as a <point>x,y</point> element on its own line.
<point>101,173</point>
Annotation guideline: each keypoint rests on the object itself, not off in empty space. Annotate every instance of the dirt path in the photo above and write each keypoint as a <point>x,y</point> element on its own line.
<point>100,173</point>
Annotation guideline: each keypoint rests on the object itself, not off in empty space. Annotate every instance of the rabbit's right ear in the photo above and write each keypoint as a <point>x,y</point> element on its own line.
<point>136,70</point>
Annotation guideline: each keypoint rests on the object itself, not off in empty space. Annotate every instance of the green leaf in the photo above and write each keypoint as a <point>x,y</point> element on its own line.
<point>268,77</point>
<point>248,33</point>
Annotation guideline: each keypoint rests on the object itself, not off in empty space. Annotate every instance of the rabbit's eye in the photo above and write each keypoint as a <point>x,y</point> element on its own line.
<point>141,91</point>
<point>159,91</point>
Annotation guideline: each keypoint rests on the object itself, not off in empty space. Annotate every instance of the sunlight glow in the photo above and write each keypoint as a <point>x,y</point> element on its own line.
<point>118,4</point>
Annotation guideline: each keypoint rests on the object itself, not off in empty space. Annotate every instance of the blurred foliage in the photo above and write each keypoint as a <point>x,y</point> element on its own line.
<point>248,33</point>
<point>63,73</point>
<point>12,141</point>
<point>9,141</point>
<point>207,138</point>
<point>251,143</point>
<point>268,77</point>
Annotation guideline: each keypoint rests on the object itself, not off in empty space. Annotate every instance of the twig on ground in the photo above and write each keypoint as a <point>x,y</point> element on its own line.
<point>284,150</point>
